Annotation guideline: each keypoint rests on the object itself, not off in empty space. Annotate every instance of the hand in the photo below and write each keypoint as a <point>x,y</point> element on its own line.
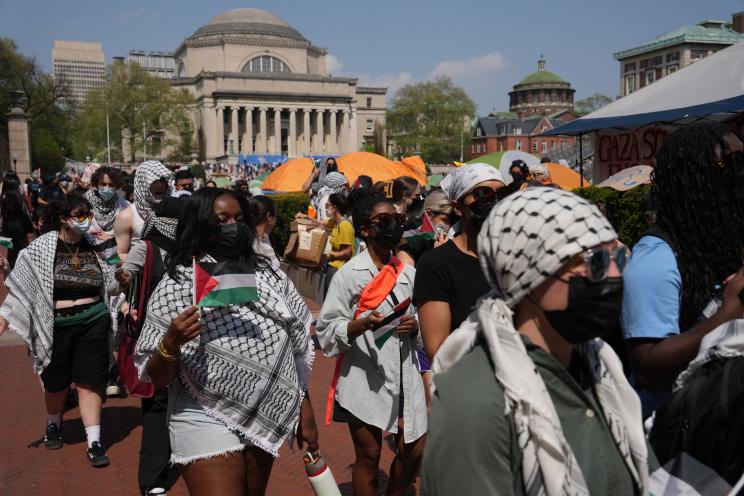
<point>372,320</point>
<point>732,307</point>
<point>182,329</point>
<point>3,325</point>
<point>307,430</point>
<point>122,276</point>
<point>316,171</point>
<point>4,265</point>
<point>440,240</point>
<point>408,325</point>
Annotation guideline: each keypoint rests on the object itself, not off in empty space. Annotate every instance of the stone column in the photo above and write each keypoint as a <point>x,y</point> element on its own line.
<point>233,146</point>
<point>345,148</point>
<point>334,135</point>
<point>292,142</point>
<point>353,140</point>
<point>306,136</point>
<point>263,143</point>
<point>220,134</point>
<point>19,147</point>
<point>248,135</point>
<point>319,134</point>
<point>277,131</point>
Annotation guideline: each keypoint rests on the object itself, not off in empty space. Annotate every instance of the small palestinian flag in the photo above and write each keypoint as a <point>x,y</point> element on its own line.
<point>385,329</point>
<point>6,242</point>
<point>423,233</point>
<point>224,283</point>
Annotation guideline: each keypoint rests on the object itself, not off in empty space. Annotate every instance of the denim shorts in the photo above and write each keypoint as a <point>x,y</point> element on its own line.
<point>193,434</point>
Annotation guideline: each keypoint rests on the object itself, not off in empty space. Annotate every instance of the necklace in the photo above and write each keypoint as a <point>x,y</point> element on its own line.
<point>74,259</point>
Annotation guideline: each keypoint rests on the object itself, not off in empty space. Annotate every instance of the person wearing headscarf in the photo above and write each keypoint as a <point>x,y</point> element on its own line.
<point>316,178</point>
<point>525,391</point>
<point>334,182</point>
<point>152,182</point>
<point>449,279</point>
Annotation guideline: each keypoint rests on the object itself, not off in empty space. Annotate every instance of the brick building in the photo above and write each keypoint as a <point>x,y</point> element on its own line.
<point>670,52</point>
<point>500,133</point>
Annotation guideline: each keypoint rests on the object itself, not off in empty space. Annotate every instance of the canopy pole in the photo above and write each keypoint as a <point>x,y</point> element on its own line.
<point>581,158</point>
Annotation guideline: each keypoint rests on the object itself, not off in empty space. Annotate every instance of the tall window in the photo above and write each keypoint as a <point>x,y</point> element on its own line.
<point>519,144</point>
<point>265,63</point>
<point>650,76</point>
<point>369,102</point>
<point>629,84</point>
<point>544,146</point>
<point>534,146</point>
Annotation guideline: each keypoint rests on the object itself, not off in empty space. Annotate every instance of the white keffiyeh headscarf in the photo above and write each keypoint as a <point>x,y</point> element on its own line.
<point>527,238</point>
<point>463,179</point>
<point>146,174</point>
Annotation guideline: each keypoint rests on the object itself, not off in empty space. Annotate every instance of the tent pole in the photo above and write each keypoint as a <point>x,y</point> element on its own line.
<point>581,158</point>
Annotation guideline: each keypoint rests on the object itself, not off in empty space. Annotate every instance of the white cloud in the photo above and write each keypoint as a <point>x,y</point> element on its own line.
<point>392,81</point>
<point>469,68</point>
<point>334,65</point>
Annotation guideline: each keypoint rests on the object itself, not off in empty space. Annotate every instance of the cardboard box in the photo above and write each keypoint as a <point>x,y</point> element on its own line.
<point>306,244</point>
<point>309,281</point>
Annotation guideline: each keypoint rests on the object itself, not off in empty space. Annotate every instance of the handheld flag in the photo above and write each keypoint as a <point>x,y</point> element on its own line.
<point>224,283</point>
<point>385,329</point>
<point>421,234</point>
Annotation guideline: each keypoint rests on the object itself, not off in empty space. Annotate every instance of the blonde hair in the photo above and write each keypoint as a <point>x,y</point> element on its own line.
<point>438,203</point>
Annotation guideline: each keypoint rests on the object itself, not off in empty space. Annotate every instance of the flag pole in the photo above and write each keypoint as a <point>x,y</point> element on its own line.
<point>193,280</point>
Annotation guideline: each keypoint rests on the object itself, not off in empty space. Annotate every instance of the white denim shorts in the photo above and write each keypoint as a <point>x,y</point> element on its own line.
<point>193,434</point>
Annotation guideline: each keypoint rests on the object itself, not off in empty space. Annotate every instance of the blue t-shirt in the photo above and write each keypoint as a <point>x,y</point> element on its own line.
<point>651,301</point>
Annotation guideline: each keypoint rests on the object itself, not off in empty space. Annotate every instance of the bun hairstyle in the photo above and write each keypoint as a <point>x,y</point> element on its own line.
<point>362,202</point>
<point>341,202</point>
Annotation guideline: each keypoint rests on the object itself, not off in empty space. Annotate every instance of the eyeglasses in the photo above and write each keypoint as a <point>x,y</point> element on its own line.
<point>383,220</point>
<point>81,217</point>
<point>597,261</point>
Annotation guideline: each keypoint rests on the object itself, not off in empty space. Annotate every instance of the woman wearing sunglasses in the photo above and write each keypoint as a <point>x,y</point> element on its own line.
<point>367,321</point>
<point>539,401</point>
<point>56,304</point>
<point>449,278</point>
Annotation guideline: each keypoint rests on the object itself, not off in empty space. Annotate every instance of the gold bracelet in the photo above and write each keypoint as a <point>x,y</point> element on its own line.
<point>168,357</point>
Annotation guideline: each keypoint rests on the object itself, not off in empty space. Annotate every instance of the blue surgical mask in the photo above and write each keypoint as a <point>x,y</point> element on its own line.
<point>106,193</point>
<point>80,227</point>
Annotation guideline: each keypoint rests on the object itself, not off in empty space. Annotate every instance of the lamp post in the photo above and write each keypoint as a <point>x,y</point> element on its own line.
<point>15,159</point>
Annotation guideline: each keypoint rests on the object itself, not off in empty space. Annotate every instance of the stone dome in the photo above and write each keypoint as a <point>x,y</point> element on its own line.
<point>248,21</point>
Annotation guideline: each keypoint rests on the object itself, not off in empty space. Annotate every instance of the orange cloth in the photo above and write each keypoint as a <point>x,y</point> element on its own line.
<point>372,295</point>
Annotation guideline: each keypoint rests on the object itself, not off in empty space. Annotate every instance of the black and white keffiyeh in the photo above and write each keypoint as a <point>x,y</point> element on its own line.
<point>164,225</point>
<point>464,178</point>
<point>146,174</point>
<point>104,212</point>
<point>250,366</point>
<point>29,307</point>
<point>527,238</point>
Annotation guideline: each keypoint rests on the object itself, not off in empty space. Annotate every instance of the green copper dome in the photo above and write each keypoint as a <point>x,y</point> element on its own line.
<point>541,76</point>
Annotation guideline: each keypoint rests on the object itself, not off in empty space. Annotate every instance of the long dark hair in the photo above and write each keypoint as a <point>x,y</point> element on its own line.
<point>11,205</point>
<point>364,202</point>
<point>51,217</point>
<point>341,202</point>
<point>403,186</point>
<point>700,205</point>
<point>261,206</point>
<point>198,228</point>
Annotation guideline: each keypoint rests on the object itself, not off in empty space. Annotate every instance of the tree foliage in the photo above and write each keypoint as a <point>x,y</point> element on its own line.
<point>591,103</point>
<point>139,106</point>
<point>49,122</point>
<point>430,117</point>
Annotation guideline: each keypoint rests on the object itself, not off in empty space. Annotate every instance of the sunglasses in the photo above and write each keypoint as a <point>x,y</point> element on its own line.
<point>384,220</point>
<point>81,217</point>
<point>484,193</point>
<point>598,260</point>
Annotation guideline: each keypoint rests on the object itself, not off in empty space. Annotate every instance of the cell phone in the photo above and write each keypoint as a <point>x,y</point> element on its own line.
<point>440,229</point>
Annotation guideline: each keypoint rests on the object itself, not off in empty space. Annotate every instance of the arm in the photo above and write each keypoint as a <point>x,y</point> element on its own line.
<point>129,269</point>
<point>163,365</point>
<point>404,257</point>
<point>435,320</point>
<point>309,181</point>
<point>123,232</point>
<point>343,254</point>
<point>659,361</point>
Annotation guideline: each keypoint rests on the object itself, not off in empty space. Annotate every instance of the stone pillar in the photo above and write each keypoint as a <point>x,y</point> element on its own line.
<point>18,141</point>
<point>319,134</point>
<point>220,132</point>
<point>306,136</point>
<point>233,145</point>
<point>292,142</point>
<point>277,131</point>
<point>345,148</point>
<point>263,142</point>
<point>248,134</point>
<point>353,140</point>
<point>333,135</point>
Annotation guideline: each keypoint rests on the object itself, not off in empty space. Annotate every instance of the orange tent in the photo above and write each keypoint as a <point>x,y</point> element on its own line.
<point>564,177</point>
<point>291,175</point>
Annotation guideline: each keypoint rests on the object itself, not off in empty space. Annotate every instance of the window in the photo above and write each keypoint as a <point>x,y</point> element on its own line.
<point>552,145</point>
<point>544,146</point>
<point>672,68</point>
<point>650,76</point>
<point>631,67</point>
<point>369,102</point>
<point>370,125</point>
<point>629,84</point>
<point>265,63</point>
<point>534,146</point>
<point>672,57</point>
<point>519,144</point>
<point>698,54</point>
<point>644,63</point>
<point>657,60</point>
<point>563,146</point>
<point>479,131</point>
<point>518,131</point>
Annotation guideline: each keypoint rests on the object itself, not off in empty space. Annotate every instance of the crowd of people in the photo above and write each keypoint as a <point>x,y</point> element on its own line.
<point>498,329</point>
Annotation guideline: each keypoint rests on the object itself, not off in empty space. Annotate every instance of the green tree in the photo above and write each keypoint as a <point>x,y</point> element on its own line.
<point>138,106</point>
<point>430,118</point>
<point>47,152</point>
<point>591,103</point>
<point>49,124</point>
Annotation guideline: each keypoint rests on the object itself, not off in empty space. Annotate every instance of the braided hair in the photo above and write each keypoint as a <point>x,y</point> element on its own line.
<point>699,191</point>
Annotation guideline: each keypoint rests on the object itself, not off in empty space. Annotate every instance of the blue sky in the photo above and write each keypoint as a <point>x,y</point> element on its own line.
<point>486,46</point>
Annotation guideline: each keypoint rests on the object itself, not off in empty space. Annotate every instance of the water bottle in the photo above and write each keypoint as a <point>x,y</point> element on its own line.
<point>320,476</point>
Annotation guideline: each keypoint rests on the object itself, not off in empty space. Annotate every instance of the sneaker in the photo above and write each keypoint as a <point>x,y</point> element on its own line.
<point>97,456</point>
<point>113,390</point>
<point>53,437</point>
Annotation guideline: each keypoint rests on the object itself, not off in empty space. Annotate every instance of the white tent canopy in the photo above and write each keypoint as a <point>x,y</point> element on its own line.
<point>710,88</point>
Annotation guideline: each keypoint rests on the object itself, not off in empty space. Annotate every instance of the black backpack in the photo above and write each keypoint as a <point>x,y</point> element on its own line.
<point>705,419</point>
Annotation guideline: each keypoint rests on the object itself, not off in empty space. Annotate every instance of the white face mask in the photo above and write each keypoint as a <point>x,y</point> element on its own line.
<point>80,227</point>
<point>106,193</point>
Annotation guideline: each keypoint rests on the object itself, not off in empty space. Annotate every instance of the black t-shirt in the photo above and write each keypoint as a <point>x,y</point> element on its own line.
<point>448,274</point>
<point>77,274</point>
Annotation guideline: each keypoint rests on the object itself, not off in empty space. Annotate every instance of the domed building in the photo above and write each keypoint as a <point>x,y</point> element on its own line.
<point>262,88</point>
<point>541,93</point>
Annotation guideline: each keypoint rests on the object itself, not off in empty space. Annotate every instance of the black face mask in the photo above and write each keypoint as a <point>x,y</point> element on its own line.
<point>593,309</point>
<point>480,209</point>
<point>234,240</point>
<point>189,188</point>
<point>518,177</point>
<point>389,235</point>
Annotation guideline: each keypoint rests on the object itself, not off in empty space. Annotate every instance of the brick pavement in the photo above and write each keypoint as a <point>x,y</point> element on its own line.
<point>27,468</point>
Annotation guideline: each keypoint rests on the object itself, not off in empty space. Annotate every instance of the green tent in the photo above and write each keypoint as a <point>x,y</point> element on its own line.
<point>434,180</point>
<point>222,181</point>
<point>493,159</point>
